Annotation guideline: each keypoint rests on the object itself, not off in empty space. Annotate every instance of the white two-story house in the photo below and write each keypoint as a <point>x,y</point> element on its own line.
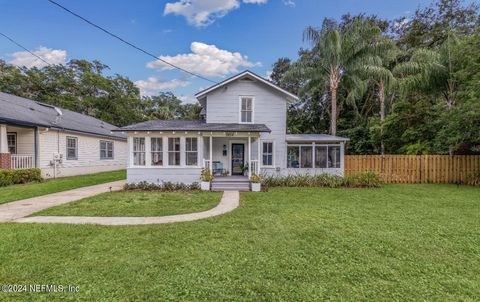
<point>243,131</point>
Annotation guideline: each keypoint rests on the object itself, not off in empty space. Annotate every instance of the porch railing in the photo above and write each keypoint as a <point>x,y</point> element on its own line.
<point>21,161</point>
<point>255,168</point>
<point>206,163</point>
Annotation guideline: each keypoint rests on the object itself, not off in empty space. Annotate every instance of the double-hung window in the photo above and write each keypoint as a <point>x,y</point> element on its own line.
<point>157,151</point>
<point>246,109</point>
<point>267,154</point>
<point>12,143</point>
<point>174,151</point>
<point>191,151</point>
<point>72,148</point>
<point>106,150</point>
<point>139,151</point>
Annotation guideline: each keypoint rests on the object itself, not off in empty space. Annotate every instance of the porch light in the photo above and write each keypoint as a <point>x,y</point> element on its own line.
<point>224,150</point>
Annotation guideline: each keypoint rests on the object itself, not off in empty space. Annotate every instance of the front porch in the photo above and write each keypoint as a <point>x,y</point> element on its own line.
<point>234,156</point>
<point>17,147</point>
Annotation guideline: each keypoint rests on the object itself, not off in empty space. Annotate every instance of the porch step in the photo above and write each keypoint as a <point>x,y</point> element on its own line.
<point>229,184</point>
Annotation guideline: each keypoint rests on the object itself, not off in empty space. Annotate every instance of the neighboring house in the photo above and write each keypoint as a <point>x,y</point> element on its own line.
<point>244,125</point>
<point>58,141</point>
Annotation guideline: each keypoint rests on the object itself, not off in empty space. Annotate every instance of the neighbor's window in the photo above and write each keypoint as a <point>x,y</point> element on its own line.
<point>12,143</point>
<point>191,153</point>
<point>306,159</point>
<point>321,157</point>
<point>174,151</point>
<point>246,110</point>
<point>72,148</point>
<point>157,151</point>
<point>334,156</point>
<point>267,153</point>
<point>293,156</point>
<point>139,151</point>
<point>106,150</point>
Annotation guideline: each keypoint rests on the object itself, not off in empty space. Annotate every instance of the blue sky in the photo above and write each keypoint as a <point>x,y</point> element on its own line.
<point>213,37</point>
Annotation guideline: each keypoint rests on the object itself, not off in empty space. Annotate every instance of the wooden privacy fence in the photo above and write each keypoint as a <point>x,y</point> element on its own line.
<point>416,168</point>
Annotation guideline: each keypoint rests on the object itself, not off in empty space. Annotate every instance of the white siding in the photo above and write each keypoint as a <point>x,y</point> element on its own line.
<point>160,175</point>
<point>270,108</point>
<point>54,141</point>
<point>25,139</point>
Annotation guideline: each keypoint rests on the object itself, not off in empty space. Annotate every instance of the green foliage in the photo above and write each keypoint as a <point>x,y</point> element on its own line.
<point>15,177</point>
<point>164,187</point>
<point>474,179</point>
<point>255,178</point>
<point>358,180</point>
<point>206,175</point>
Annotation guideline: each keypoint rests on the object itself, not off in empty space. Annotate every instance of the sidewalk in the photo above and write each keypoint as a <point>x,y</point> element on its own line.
<point>21,208</point>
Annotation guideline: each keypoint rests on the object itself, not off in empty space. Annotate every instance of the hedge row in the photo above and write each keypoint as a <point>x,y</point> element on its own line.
<point>13,177</point>
<point>357,180</point>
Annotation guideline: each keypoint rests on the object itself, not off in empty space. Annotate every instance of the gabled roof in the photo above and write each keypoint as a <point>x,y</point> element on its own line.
<point>241,75</point>
<point>25,112</point>
<point>314,138</point>
<point>183,125</point>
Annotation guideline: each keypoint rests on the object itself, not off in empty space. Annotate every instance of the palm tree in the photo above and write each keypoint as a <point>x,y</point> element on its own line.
<point>340,53</point>
<point>430,71</point>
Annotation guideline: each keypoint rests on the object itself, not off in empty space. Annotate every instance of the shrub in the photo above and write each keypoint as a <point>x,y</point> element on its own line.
<point>363,180</point>
<point>358,180</point>
<point>165,187</point>
<point>474,179</point>
<point>13,177</point>
<point>206,175</point>
<point>255,178</point>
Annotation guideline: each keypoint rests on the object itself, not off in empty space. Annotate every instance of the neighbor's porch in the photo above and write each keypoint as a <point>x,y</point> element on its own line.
<point>18,147</point>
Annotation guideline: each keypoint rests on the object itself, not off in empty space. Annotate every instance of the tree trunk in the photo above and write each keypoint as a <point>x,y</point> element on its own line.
<point>381,97</point>
<point>333,118</point>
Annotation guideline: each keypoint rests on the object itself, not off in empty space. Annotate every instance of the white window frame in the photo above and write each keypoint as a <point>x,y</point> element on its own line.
<point>273,153</point>
<point>106,157</point>
<point>152,152</point>
<point>313,155</point>
<point>144,151</point>
<point>190,151</point>
<point>67,147</point>
<point>174,151</point>
<point>240,108</point>
<point>15,147</point>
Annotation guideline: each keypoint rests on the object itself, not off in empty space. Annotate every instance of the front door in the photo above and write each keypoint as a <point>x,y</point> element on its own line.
<point>238,152</point>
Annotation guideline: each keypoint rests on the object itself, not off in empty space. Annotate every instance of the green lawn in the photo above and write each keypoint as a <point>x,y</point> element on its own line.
<point>400,242</point>
<point>137,204</point>
<point>17,192</point>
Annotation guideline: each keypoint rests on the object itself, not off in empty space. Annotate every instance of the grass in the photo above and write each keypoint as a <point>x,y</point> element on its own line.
<point>17,192</point>
<point>137,204</point>
<point>400,242</point>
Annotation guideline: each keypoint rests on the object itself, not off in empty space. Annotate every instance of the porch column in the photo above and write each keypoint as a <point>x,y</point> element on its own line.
<point>4,154</point>
<point>259,156</point>
<point>210,151</point>
<point>249,156</point>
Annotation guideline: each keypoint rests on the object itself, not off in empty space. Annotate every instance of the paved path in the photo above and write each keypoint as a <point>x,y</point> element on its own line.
<point>21,208</point>
<point>230,201</point>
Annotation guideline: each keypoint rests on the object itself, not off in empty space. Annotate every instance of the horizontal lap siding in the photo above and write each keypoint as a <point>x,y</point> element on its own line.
<point>416,168</point>
<point>88,161</point>
<point>161,175</point>
<point>270,108</point>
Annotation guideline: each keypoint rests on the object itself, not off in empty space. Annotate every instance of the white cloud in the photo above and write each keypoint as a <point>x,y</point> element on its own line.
<point>206,60</point>
<point>188,99</point>
<point>52,56</point>
<point>153,85</point>
<point>204,12</point>
<point>289,3</point>
<point>268,74</point>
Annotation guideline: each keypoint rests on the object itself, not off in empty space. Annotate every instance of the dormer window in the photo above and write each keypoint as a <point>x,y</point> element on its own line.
<point>246,109</point>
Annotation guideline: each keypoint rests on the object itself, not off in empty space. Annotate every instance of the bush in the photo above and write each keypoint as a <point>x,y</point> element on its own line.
<point>363,180</point>
<point>206,175</point>
<point>358,180</point>
<point>13,177</point>
<point>474,179</point>
<point>165,187</point>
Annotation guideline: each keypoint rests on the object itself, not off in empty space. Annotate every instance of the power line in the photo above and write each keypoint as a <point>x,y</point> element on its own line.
<point>128,43</point>
<point>24,48</point>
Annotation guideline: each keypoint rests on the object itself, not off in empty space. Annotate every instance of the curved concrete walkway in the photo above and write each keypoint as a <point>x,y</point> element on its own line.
<point>21,208</point>
<point>230,201</point>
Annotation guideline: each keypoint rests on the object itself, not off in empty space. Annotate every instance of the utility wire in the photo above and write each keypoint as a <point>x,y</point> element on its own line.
<point>24,48</point>
<point>128,43</point>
